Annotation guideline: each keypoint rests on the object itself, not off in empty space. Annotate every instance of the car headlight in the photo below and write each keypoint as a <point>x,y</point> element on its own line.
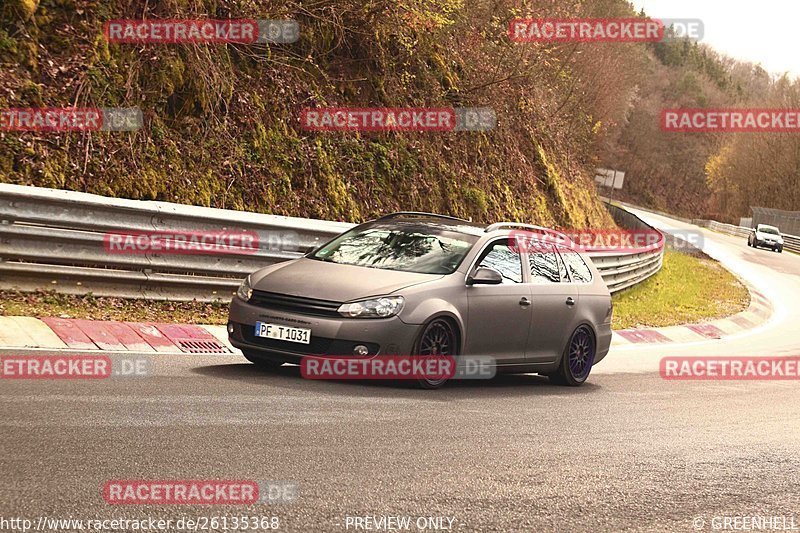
<point>245,291</point>
<point>382,307</point>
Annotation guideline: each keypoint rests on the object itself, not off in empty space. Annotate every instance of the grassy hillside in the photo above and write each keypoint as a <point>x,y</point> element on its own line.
<point>221,121</point>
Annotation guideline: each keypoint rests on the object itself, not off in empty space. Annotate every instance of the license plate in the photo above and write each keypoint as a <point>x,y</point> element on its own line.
<point>283,333</point>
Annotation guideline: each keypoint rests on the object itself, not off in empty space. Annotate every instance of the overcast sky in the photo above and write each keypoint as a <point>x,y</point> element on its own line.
<point>765,32</point>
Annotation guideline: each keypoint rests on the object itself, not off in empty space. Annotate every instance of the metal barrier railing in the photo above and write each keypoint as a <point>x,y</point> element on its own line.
<point>54,239</point>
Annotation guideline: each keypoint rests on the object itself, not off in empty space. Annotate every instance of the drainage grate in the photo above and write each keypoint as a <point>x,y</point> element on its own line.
<point>201,346</point>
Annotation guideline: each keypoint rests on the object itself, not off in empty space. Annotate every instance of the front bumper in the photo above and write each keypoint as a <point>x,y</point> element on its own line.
<point>329,335</point>
<point>768,244</point>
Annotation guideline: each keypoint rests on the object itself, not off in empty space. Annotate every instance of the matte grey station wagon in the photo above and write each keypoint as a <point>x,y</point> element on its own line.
<point>424,284</point>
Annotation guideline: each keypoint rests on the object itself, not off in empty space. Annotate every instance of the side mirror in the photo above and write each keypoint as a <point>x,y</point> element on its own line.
<point>485,276</point>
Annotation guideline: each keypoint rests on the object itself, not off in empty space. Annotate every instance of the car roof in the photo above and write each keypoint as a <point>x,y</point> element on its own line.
<point>767,226</point>
<point>437,223</point>
<point>459,225</point>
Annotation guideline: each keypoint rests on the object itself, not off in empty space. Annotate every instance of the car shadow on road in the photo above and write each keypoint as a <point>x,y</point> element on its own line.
<point>288,377</point>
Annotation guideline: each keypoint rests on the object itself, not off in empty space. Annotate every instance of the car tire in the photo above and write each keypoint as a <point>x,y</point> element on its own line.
<point>577,359</point>
<point>780,249</point>
<point>437,337</point>
<point>262,362</point>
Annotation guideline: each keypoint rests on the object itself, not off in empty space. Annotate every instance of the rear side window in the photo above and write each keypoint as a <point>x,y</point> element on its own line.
<point>576,266</point>
<point>545,265</point>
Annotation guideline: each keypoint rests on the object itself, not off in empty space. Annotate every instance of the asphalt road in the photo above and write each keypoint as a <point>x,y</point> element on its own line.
<point>626,452</point>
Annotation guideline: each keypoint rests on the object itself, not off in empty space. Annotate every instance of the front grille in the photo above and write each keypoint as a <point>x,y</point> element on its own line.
<point>318,345</point>
<point>295,304</point>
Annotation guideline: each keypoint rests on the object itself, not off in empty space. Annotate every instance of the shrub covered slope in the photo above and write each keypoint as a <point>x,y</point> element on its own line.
<point>221,121</point>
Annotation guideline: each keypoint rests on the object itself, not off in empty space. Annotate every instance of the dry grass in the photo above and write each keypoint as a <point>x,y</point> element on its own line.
<point>687,290</point>
<point>46,304</point>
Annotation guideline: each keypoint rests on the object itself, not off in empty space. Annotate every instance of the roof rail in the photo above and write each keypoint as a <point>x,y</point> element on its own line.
<point>504,225</point>
<point>418,213</point>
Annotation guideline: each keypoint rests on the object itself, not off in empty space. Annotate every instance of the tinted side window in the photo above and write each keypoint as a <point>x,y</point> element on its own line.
<point>577,267</point>
<point>544,263</point>
<point>503,259</point>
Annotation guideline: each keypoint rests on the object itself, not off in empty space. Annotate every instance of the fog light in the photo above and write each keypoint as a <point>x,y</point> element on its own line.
<point>360,350</point>
<point>230,328</point>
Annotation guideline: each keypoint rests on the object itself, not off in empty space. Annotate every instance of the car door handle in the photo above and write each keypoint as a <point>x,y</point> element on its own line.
<point>524,302</point>
<point>570,301</point>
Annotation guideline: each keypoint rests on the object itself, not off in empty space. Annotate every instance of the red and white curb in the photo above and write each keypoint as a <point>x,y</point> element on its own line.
<point>112,336</point>
<point>758,312</point>
<point>118,336</point>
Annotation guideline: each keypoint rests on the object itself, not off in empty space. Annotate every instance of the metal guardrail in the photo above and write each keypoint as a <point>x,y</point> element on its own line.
<point>790,242</point>
<point>54,239</point>
<point>623,270</point>
<point>730,229</point>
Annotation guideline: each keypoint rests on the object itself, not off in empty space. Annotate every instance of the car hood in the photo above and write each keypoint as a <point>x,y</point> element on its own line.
<point>322,280</point>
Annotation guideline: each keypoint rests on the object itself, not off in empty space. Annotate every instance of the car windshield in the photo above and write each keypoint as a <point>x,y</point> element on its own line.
<point>769,229</point>
<point>408,248</point>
